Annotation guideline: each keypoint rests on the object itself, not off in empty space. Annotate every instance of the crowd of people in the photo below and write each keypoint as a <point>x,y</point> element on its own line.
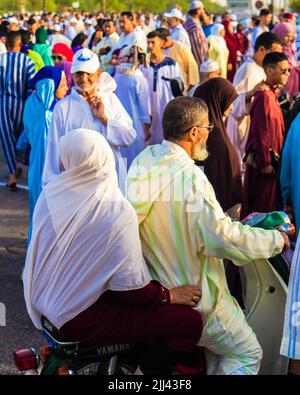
<point>136,188</point>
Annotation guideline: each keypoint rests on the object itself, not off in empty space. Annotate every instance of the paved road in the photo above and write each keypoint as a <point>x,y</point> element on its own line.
<point>19,331</point>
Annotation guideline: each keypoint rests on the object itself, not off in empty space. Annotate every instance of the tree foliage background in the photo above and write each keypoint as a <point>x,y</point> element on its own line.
<point>154,6</point>
<point>295,5</point>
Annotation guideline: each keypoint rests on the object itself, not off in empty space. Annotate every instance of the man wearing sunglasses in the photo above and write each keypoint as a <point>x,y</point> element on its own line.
<point>185,234</point>
<point>265,140</point>
<point>93,104</point>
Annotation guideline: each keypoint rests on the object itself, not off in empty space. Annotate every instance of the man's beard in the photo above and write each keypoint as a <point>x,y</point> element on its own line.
<point>200,153</point>
<point>87,88</point>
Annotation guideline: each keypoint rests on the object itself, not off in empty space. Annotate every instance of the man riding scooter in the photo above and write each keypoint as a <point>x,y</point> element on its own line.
<point>185,234</point>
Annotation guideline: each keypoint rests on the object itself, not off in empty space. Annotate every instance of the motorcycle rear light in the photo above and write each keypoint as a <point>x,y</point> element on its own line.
<point>26,359</point>
<point>63,371</point>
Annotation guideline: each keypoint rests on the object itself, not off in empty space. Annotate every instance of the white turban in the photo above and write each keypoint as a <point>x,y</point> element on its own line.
<point>209,66</point>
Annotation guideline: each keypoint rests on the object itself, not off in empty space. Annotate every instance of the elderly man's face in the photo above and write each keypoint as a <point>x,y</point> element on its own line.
<point>86,82</point>
<point>173,22</point>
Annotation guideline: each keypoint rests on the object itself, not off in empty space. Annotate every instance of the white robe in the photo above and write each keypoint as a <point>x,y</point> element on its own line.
<point>133,92</point>
<point>107,41</point>
<point>74,112</point>
<point>181,35</point>
<point>85,235</point>
<point>133,38</point>
<point>238,123</point>
<point>160,93</point>
<point>185,234</point>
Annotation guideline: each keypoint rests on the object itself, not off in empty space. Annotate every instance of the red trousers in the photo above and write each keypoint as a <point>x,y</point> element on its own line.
<point>138,316</point>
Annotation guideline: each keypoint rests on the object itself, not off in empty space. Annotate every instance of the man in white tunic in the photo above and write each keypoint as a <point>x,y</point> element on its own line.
<point>93,105</point>
<point>247,81</point>
<point>107,43</point>
<point>185,234</point>
<point>178,32</point>
<point>159,73</point>
<point>129,36</point>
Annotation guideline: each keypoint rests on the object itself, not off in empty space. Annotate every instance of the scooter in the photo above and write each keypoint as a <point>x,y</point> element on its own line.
<point>266,293</point>
<point>64,357</point>
<point>265,296</point>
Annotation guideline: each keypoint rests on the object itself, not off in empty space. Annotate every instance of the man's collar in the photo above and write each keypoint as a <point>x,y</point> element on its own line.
<point>177,148</point>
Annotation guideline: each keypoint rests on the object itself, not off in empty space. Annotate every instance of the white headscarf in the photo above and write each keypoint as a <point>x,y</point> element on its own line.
<point>85,237</point>
<point>216,32</point>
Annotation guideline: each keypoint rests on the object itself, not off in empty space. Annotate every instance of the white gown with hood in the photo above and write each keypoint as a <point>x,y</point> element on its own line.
<point>73,112</point>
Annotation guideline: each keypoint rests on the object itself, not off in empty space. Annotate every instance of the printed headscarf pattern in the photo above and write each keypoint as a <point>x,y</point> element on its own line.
<point>133,55</point>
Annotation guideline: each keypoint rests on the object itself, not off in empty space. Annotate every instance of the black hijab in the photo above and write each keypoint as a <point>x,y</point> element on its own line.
<point>222,167</point>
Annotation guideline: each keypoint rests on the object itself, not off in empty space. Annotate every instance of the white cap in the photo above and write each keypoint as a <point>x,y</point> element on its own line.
<point>88,21</point>
<point>174,13</point>
<point>12,20</point>
<point>85,60</point>
<point>57,28</point>
<point>209,66</point>
<point>233,17</point>
<point>72,20</point>
<point>195,4</point>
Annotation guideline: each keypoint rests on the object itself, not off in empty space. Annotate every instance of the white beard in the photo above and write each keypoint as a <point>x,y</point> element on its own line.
<point>90,88</point>
<point>200,153</point>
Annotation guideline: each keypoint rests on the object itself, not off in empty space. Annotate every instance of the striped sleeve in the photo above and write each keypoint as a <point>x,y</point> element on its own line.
<point>30,74</point>
<point>199,46</point>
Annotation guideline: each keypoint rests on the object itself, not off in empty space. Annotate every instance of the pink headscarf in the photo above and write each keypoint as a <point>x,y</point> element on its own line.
<point>282,30</point>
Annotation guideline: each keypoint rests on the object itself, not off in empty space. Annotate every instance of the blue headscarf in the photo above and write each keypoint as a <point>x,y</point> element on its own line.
<point>50,72</point>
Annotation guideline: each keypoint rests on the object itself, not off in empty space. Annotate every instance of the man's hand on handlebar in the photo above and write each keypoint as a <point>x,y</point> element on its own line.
<point>187,295</point>
<point>287,244</point>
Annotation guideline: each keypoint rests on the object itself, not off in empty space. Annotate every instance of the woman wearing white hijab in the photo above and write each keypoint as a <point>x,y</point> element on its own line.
<point>218,50</point>
<point>85,270</point>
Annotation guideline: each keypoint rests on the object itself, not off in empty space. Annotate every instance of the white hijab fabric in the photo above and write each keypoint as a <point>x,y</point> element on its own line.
<point>85,237</point>
<point>216,32</point>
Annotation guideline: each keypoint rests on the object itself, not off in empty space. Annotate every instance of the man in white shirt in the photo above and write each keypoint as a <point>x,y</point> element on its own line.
<point>178,32</point>
<point>265,16</point>
<point>149,24</point>
<point>71,30</point>
<point>185,234</point>
<point>162,69</point>
<point>108,42</point>
<point>138,28</point>
<point>129,36</point>
<point>93,105</point>
<point>58,37</point>
<point>89,29</point>
<point>247,81</point>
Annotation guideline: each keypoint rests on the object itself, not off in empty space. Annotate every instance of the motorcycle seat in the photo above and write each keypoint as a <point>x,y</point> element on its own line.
<point>56,337</point>
<point>55,334</point>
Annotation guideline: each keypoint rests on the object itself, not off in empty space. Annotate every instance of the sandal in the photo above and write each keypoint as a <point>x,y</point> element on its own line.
<point>12,187</point>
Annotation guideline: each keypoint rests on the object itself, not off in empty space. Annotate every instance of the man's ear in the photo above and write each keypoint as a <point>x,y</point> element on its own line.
<point>192,135</point>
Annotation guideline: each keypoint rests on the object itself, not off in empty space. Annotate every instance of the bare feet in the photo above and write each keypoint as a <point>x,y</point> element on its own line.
<point>12,182</point>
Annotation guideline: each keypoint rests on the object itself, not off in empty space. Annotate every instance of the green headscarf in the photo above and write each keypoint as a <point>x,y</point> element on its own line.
<point>41,35</point>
